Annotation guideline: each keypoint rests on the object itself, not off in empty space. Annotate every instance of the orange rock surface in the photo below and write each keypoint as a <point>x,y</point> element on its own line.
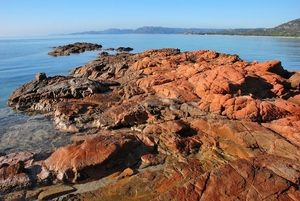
<point>175,126</point>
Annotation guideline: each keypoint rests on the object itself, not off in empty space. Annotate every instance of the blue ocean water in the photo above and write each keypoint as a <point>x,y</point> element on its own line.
<point>22,58</point>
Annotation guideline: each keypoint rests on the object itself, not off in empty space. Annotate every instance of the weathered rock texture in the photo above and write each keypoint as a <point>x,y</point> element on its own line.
<point>23,170</point>
<point>43,94</point>
<point>98,155</point>
<point>203,126</point>
<point>75,48</point>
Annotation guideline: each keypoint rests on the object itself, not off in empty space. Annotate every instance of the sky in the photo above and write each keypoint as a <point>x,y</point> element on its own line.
<point>45,17</point>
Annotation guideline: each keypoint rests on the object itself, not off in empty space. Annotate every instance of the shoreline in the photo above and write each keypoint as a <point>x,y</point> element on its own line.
<point>129,115</point>
<point>59,35</point>
<point>246,35</point>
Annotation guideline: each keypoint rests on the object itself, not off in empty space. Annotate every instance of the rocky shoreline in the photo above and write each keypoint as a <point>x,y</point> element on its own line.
<point>163,125</point>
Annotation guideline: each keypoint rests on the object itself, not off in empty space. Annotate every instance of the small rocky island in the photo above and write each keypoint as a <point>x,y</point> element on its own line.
<point>163,125</point>
<point>78,47</point>
<point>75,48</point>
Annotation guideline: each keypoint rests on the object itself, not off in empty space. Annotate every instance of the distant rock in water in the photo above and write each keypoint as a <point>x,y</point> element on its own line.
<point>124,49</point>
<point>120,49</point>
<point>66,50</point>
<point>110,49</point>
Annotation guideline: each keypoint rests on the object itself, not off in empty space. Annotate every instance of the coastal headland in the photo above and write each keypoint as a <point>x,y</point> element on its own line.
<point>162,125</point>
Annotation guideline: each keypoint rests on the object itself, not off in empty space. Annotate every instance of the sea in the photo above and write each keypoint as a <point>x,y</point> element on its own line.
<point>22,58</point>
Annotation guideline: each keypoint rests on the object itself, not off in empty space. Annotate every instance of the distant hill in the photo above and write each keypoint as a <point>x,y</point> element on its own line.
<point>291,28</point>
<point>166,30</point>
<point>146,30</point>
<point>155,30</point>
<point>107,31</point>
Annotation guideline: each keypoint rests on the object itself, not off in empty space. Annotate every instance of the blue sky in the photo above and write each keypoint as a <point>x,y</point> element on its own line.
<point>43,17</point>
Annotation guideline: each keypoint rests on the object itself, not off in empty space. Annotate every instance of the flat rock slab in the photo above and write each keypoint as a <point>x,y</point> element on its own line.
<point>55,191</point>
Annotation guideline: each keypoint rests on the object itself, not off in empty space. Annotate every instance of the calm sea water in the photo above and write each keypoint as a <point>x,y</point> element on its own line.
<point>22,58</point>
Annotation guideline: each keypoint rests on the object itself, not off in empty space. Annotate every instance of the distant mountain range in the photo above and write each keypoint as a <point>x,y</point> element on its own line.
<point>291,29</point>
<point>148,30</point>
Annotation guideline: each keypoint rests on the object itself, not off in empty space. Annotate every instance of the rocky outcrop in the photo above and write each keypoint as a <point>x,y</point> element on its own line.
<point>43,94</point>
<point>166,125</point>
<point>75,48</point>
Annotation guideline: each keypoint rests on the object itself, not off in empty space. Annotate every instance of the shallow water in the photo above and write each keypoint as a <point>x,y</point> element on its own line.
<point>20,132</point>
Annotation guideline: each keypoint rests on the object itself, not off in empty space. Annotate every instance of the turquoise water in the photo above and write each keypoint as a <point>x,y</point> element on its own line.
<point>22,58</point>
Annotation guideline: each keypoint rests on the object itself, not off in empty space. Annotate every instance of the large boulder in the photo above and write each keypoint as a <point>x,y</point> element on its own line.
<point>295,80</point>
<point>95,157</point>
<point>273,67</point>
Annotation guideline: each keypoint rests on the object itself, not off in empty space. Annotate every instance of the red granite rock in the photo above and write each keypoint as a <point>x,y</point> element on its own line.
<point>271,66</point>
<point>22,170</point>
<point>204,126</point>
<point>256,179</point>
<point>96,156</point>
<point>295,80</point>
